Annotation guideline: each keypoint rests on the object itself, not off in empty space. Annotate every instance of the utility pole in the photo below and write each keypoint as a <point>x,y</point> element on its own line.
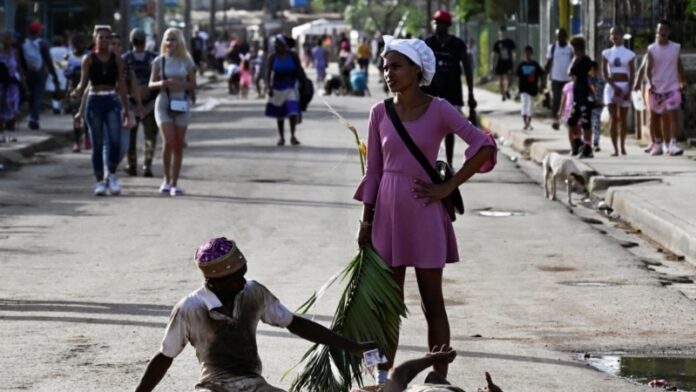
<point>124,27</point>
<point>160,24</point>
<point>212,33</point>
<point>187,22</point>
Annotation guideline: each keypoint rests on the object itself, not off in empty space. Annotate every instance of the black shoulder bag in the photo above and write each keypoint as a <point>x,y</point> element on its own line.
<point>438,174</point>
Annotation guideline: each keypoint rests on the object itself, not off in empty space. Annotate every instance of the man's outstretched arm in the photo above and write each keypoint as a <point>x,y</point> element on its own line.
<point>400,376</point>
<point>317,333</point>
<point>154,372</point>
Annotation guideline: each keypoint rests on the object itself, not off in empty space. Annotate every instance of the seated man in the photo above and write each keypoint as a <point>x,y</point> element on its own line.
<point>220,319</point>
<point>332,84</point>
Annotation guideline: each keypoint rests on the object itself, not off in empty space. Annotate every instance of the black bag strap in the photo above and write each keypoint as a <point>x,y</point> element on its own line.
<point>417,153</point>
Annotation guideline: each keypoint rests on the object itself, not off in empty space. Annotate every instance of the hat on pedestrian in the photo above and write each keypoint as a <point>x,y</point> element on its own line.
<point>417,51</point>
<point>137,35</point>
<point>442,16</point>
<point>35,27</point>
<point>219,257</point>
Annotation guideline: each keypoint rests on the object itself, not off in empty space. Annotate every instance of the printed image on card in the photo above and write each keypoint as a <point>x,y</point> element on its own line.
<point>372,358</point>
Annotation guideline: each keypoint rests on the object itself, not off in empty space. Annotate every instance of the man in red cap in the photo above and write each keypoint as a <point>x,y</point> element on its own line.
<point>36,60</point>
<point>451,56</point>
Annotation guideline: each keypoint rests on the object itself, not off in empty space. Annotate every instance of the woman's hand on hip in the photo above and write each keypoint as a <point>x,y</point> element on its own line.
<point>430,193</point>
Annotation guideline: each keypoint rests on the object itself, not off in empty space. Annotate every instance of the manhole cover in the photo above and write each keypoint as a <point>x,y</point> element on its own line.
<point>589,284</point>
<point>500,214</point>
<point>269,180</point>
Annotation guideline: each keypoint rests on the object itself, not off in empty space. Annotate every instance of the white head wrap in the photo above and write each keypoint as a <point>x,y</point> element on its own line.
<point>416,50</point>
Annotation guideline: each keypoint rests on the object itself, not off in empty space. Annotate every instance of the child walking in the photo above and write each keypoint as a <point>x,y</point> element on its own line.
<point>530,76</point>
<point>245,78</point>
<point>597,87</point>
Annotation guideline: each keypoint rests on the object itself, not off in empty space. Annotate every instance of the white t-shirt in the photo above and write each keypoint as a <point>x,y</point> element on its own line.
<point>562,57</point>
<point>225,347</point>
<point>618,59</point>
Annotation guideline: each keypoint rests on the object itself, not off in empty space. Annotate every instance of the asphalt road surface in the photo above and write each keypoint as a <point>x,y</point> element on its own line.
<point>88,282</point>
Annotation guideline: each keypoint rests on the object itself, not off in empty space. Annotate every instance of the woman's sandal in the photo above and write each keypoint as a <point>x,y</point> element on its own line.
<point>294,141</point>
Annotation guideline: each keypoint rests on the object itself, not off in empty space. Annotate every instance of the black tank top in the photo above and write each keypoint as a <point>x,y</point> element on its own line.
<point>103,74</point>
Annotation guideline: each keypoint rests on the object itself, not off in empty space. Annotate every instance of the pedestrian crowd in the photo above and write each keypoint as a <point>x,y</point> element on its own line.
<point>581,88</point>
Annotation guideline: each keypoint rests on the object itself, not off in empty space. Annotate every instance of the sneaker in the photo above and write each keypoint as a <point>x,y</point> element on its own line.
<point>76,147</point>
<point>586,151</point>
<point>100,188</point>
<point>165,188</point>
<point>596,148</point>
<point>34,125</point>
<point>114,185</point>
<point>556,126</point>
<point>650,147</point>
<point>175,191</point>
<point>656,149</point>
<point>507,95</point>
<point>674,149</point>
<point>577,145</point>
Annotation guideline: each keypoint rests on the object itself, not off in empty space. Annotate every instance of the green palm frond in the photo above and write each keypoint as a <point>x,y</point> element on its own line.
<point>370,309</point>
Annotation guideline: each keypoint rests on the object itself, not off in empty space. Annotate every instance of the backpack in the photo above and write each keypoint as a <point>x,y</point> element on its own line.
<point>32,54</point>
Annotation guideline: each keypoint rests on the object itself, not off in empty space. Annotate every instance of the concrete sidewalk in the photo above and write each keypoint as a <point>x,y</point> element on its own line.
<point>652,193</point>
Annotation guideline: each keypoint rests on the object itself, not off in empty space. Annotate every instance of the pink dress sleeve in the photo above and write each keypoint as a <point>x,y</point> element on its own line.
<point>476,139</point>
<point>367,190</point>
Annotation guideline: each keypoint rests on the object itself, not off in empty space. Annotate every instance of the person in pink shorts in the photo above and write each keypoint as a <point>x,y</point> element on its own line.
<point>403,215</point>
<point>665,74</point>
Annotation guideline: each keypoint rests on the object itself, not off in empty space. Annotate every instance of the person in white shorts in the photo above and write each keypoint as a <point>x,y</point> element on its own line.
<point>531,81</point>
<point>618,69</point>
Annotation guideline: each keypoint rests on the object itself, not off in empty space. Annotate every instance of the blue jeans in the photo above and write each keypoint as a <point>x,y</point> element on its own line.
<point>104,122</point>
<point>36,83</point>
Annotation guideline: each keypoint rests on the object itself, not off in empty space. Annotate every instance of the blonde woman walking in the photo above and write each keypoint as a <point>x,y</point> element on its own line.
<point>174,74</point>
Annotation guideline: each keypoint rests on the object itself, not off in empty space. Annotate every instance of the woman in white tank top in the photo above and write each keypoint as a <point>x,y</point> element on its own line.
<point>618,68</point>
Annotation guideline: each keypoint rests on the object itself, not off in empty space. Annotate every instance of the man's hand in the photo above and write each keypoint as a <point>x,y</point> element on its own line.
<point>472,101</point>
<point>442,354</point>
<point>139,111</point>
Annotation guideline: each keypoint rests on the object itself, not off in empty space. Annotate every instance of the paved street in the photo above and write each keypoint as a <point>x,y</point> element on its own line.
<point>88,282</point>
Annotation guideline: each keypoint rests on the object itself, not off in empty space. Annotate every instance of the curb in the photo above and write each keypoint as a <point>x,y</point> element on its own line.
<point>653,221</point>
<point>662,226</point>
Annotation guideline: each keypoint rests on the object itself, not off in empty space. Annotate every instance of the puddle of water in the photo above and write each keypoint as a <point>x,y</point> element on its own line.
<point>680,372</point>
<point>588,284</point>
<point>500,214</point>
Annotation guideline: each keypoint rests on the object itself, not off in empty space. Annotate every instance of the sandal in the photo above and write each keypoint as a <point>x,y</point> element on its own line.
<point>281,142</point>
<point>294,141</point>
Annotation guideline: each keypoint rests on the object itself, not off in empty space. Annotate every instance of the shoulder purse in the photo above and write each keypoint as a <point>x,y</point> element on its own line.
<point>438,174</point>
<point>175,105</point>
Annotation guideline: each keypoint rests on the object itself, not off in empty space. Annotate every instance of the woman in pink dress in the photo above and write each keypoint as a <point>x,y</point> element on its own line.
<point>403,215</point>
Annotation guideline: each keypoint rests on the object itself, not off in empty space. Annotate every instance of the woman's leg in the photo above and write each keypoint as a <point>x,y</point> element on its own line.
<point>399,274</point>
<point>293,125</point>
<point>281,131</point>
<point>113,129</point>
<point>614,127</point>
<point>433,303</point>
<point>95,126</point>
<point>167,130</point>
<point>623,113</point>
<point>177,152</point>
